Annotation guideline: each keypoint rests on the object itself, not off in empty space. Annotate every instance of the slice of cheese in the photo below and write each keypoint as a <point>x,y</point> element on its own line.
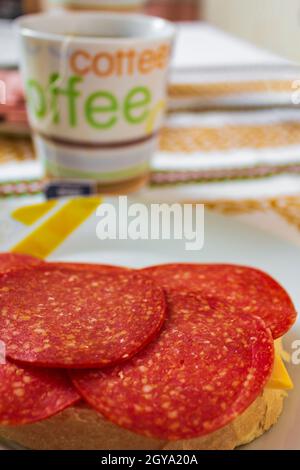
<point>279,349</point>
<point>280,379</point>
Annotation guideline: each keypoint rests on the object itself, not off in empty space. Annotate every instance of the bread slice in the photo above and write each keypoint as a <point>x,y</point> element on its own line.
<point>81,428</point>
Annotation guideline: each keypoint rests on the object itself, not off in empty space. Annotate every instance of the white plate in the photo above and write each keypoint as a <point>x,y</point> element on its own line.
<point>228,241</point>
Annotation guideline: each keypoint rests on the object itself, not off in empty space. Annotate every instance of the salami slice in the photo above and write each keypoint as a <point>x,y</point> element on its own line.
<point>29,395</point>
<point>205,368</point>
<point>59,317</point>
<point>12,261</point>
<point>103,268</point>
<point>247,289</point>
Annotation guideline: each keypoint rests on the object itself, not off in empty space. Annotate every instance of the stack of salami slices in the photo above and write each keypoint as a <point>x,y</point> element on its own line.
<point>156,357</point>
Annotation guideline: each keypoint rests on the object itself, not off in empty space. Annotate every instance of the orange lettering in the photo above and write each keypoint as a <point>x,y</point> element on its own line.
<point>120,58</point>
<point>100,60</point>
<point>78,56</point>
<point>163,56</point>
<point>131,57</point>
<point>146,61</point>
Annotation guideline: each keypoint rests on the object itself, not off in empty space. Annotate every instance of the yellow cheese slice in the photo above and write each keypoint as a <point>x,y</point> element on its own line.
<point>280,379</point>
<point>279,349</point>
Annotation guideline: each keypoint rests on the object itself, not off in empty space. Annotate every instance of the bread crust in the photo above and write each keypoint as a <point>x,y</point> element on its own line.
<point>81,428</point>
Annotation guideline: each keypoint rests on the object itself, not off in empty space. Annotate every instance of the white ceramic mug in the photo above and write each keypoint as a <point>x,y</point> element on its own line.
<point>103,5</point>
<point>96,91</point>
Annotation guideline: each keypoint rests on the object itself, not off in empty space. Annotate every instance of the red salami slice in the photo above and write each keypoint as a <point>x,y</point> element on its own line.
<point>58,317</point>
<point>247,289</point>
<point>12,261</point>
<point>29,395</point>
<point>104,268</point>
<point>204,369</point>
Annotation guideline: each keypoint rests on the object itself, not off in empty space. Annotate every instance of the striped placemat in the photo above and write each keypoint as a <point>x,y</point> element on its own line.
<point>214,147</point>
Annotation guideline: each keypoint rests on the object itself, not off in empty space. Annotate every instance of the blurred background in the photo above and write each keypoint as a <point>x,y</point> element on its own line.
<point>232,130</point>
<point>274,24</point>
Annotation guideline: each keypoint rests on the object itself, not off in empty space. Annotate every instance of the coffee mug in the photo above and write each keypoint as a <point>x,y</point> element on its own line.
<point>96,92</point>
<point>103,5</point>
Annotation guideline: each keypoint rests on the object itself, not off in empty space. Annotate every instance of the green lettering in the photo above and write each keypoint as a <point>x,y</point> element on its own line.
<point>69,92</point>
<point>54,79</point>
<point>36,98</point>
<point>109,105</point>
<point>135,103</point>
